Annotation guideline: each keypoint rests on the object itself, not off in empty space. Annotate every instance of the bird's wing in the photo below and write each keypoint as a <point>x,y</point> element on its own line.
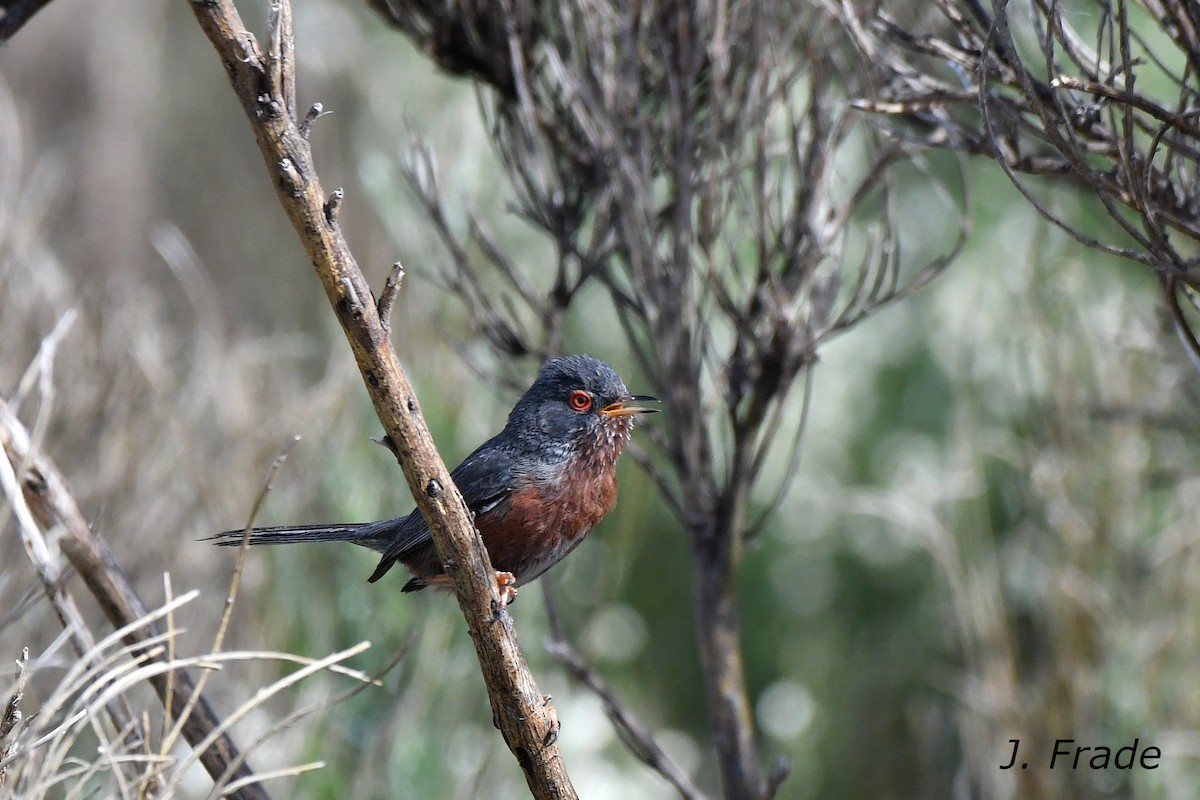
<point>485,480</point>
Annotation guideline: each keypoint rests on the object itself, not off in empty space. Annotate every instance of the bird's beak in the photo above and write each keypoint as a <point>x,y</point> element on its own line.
<point>622,407</point>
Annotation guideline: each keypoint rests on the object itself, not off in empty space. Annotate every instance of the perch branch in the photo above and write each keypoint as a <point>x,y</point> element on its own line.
<point>263,84</point>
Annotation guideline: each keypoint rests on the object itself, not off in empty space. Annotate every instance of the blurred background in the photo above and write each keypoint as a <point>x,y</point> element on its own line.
<point>990,535</point>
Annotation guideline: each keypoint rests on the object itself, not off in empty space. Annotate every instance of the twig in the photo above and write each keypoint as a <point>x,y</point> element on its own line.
<point>387,298</point>
<point>315,112</point>
<point>328,702</point>
<point>517,705</point>
<point>286,772</point>
<point>235,580</point>
<point>45,491</point>
<point>780,769</point>
<point>262,694</point>
<point>632,731</point>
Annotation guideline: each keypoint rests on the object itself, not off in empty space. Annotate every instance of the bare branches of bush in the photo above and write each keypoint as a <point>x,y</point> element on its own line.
<point>632,731</point>
<point>1099,96</point>
<point>698,166</point>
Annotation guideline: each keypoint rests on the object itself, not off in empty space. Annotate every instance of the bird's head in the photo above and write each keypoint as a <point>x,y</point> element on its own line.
<point>577,401</point>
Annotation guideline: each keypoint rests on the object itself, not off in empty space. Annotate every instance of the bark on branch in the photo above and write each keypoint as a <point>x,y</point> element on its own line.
<point>265,85</point>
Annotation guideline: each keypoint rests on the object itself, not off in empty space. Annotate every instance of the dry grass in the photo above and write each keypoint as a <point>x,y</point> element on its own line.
<point>66,743</point>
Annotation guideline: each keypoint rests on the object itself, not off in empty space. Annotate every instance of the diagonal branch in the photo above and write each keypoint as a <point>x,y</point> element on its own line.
<point>51,503</point>
<point>632,731</point>
<point>264,85</point>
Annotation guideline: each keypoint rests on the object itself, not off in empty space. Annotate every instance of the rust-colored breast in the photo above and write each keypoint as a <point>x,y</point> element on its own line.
<point>537,526</point>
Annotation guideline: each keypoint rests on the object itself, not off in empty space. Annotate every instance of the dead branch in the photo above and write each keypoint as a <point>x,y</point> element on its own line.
<point>48,567</point>
<point>49,499</point>
<point>632,731</point>
<point>1109,110</point>
<point>265,85</point>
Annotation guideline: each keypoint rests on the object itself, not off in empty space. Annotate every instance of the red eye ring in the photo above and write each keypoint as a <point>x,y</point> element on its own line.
<point>580,400</point>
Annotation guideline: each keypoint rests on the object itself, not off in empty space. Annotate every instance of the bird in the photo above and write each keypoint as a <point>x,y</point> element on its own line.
<point>536,489</point>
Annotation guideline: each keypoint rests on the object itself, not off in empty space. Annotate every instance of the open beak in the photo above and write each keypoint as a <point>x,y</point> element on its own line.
<point>622,407</point>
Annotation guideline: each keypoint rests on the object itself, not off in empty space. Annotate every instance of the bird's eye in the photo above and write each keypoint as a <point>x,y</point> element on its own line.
<point>580,400</point>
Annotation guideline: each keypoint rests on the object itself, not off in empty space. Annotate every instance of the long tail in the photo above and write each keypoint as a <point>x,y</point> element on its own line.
<point>373,535</point>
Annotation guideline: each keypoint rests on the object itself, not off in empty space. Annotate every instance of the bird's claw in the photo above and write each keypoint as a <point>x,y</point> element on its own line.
<point>506,585</point>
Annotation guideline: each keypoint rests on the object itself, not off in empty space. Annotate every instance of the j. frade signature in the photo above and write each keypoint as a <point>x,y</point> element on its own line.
<point>1069,755</point>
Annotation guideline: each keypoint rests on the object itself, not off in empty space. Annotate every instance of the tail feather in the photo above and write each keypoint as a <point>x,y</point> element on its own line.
<point>373,535</point>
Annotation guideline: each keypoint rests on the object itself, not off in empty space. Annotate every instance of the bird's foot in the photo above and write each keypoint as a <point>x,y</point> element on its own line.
<point>555,725</point>
<point>506,585</point>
